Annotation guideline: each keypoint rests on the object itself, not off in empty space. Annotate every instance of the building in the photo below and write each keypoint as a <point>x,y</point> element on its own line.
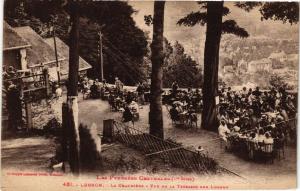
<point>24,49</point>
<point>278,56</point>
<point>263,65</point>
<point>228,69</point>
<point>39,55</point>
<point>14,49</point>
<point>242,66</point>
<point>63,51</point>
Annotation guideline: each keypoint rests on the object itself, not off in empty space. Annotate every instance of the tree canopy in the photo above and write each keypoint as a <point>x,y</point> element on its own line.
<point>200,17</point>
<point>179,65</point>
<point>283,11</point>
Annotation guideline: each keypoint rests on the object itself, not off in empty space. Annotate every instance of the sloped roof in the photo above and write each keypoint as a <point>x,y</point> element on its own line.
<point>63,51</point>
<point>11,40</point>
<point>40,51</point>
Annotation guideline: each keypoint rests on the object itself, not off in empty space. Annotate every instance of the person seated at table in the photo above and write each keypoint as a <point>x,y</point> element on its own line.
<point>268,139</point>
<point>223,131</point>
<point>94,90</point>
<point>178,107</point>
<point>99,86</point>
<point>264,121</point>
<point>268,143</point>
<point>230,121</point>
<point>252,145</point>
<point>252,137</point>
<point>236,132</point>
<point>260,137</point>
<point>174,87</point>
<point>118,102</point>
<point>127,116</point>
<point>141,90</point>
<point>134,106</point>
<point>174,113</point>
<point>118,84</point>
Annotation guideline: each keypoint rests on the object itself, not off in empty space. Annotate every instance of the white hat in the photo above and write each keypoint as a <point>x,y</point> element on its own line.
<point>236,128</point>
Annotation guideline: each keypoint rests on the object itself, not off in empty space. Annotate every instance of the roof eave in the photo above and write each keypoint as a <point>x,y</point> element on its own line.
<point>17,47</point>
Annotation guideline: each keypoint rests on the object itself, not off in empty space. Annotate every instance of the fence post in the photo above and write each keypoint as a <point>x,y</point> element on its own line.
<point>47,82</point>
<point>108,130</point>
<point>28,115</point>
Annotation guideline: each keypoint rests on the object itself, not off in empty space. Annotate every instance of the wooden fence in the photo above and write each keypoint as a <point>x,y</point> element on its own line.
<point>170,152</point>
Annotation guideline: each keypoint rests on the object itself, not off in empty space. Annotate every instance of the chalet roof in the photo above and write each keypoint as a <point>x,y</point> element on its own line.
<point>63,51</point>
<point>40,51</point>
<point>11,40</point>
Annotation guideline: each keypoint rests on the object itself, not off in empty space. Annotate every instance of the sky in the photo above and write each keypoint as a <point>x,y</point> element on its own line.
<point>190,36</point>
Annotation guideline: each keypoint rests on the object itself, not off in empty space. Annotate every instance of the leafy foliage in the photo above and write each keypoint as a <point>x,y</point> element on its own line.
<point>199,17</point>
<point>247,6</point>
<point>193,18</point>
<point>283,11</point>
<point>148,20</point>
<point>178,65</point>
<point>231,27</point>
<point>278,82</point>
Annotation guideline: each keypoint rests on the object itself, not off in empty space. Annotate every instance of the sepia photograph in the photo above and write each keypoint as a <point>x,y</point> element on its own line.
<point>149,95</point>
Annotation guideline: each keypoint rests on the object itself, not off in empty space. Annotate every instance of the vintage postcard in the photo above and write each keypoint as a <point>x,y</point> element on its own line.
<point>149,95</point>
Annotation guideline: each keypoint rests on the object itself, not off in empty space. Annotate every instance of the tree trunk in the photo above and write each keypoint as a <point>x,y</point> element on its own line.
<point>211,64</point>
<point>72,95</point>
<point>157,59</point>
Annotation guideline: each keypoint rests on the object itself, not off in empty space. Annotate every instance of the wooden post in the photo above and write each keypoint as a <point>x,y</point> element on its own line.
<point>56,58</point>
<point>28,115</point>
<point>108,130</point>
<point>47,82</point>
<point>101,55</point>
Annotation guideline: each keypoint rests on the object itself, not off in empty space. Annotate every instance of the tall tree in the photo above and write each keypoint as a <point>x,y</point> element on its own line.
<point>285,11</point>
<point>211,63</point>
<point>211,14</point>
<point>72,94</point>
<point>157,59</point>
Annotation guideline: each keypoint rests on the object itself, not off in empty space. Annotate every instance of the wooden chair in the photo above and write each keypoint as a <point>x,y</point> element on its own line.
<point>193,119</point>
<point>279,147</point>
<point>268,152</point>
<point>251,149</point>
<point>86,93</point>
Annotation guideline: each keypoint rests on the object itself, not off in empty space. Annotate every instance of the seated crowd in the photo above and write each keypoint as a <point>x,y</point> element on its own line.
<point>118,97</point>
<point>256,120</point>
<point>185,104</point>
